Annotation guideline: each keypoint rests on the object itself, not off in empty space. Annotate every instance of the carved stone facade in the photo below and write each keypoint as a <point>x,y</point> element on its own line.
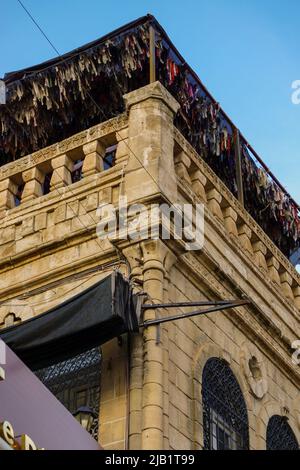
<point>152,382</point>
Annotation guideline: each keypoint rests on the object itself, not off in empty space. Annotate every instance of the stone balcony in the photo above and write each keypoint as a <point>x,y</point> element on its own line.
<point>36,220</point>
<point>197,181</point>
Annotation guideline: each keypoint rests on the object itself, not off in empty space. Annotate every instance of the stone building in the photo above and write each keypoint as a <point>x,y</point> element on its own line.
<point>225,379</point>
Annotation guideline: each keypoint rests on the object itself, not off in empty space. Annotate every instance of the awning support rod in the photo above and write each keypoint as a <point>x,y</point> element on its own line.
<point>221,306</point>
<point>201,303</point>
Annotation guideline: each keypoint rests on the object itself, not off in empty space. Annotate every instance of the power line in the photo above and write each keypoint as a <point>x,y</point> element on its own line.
<point>37,25</point>
<point>103,114</point>
<point>90,96</point>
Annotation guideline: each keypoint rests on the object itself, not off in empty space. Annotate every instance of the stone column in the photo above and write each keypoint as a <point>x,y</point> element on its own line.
<point>154,252</point>
<point>245,234</point>
<point>286,284</point>
<point>93,162</point>
<point>150,169</point>
<point>214,200</point>
<point>273,266</point>
<point>62,167</point>
<point>8,189</point>
<point>296,292</point>
<point>260,252</point>
<point>33,180</point>
<point>230,218</point>
<point>170,260</point>
<point>182,165</point>
<point>198,184</point>
<point>134,256</point>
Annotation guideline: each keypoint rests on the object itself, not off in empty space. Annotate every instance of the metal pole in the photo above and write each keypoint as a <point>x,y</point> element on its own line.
<point>238,166</point>
<point>201,303</point>
<point>158,321</point>
<point>152,54</point>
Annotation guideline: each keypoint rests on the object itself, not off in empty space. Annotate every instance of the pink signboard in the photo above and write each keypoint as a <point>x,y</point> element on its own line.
<point>31,409</point>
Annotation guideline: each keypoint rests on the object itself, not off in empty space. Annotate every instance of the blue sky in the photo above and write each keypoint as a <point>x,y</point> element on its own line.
<point>245,51</point>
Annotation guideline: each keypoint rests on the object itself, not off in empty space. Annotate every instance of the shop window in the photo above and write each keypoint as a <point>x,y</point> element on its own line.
<point>280,435</point>
<point>225,419</point>
<point>76,383</point>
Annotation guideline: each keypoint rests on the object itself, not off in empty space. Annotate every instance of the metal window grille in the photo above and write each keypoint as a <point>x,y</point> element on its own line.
<point>280,435</point>
<point>225,419</point>
<point>76,382</point>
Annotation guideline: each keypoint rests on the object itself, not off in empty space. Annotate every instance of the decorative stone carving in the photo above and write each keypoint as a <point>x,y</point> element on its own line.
<point>254,370</point>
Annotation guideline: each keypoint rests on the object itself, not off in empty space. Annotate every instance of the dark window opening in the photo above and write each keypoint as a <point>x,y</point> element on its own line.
<point>46,184</point>
<point>18,195</point>
<point>110,157</point>
<point>76,383</point>
<point>280,435</point>
<point>225,419</point>
<point>76,174</point>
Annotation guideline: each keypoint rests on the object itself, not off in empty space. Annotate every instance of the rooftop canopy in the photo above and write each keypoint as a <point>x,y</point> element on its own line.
<point>53,100</point>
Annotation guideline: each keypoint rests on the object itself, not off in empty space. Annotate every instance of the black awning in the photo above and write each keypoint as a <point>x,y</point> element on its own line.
<point>89,319</point>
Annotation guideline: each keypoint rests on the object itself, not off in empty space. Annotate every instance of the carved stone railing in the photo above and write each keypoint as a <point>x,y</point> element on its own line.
<point>194,173</point>
<point>23,180</point>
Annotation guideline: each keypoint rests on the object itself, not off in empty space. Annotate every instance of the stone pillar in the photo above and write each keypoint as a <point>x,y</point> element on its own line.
<point>198,184</point>
<point>113,396</point>
<point>230,218</point>
<point>150,168</point>
<point>296,292</point>
<point>134,256</point>
<point>170,260</point>
<point>182,165</point>
<point>33,180</point>
<point>8,189</point>
<point>286,284</point>
<point>273,267</point>
<point>260,252</point>
<point>245,238</point>
<point>93,161</point>
<point>154,252</point>
<point>214,200</point>
<point>62,167</point>
<point>122,146</point>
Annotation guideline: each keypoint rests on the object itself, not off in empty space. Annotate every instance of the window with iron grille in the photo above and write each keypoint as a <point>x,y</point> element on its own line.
<point>225,418</point>
<point>280,435</point>
<point>76,383</point>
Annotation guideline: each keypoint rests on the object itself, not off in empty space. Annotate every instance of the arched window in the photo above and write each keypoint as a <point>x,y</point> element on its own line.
<point>280,435</point>
<point>225,419</point>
